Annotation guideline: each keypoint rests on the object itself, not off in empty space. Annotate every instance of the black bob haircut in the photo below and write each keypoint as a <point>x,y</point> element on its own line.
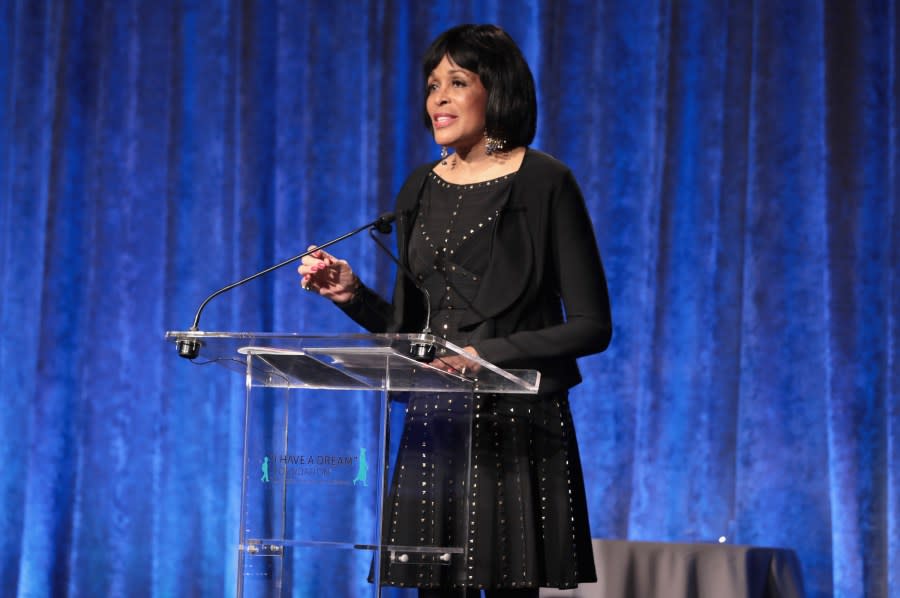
<point>491,53</point>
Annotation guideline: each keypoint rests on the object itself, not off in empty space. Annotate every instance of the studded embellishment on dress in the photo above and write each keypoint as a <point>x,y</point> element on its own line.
<point>517,513</point>
<point>444,238</point>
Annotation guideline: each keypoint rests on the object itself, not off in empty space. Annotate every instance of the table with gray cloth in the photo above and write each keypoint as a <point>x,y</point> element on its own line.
<point>666,570</point>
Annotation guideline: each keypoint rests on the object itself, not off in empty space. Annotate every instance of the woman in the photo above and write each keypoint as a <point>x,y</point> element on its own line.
<point>499,235</point>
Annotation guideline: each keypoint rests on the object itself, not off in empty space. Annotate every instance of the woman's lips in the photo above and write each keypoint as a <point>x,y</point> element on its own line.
<point>442,120</point>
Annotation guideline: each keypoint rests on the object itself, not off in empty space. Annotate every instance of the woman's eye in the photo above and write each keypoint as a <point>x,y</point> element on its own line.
<point>459,83</point>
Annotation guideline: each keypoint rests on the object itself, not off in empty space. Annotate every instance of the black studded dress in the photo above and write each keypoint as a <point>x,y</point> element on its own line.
<point>527,524</point>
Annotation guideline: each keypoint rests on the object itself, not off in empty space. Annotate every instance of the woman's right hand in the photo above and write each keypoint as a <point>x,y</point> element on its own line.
<point>330,277</point>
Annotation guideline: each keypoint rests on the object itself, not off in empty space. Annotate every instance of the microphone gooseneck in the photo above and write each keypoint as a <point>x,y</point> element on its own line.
<point>421,349</point>
<point>190,348</point>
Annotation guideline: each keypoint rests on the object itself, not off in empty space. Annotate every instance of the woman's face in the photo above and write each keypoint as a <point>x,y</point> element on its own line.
<point>456,103</point>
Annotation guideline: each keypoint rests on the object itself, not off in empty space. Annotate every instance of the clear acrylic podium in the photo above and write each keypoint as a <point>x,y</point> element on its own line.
<point>355,470</point>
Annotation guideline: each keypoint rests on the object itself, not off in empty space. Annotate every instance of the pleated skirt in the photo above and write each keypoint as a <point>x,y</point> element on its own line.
<point>520,514</point>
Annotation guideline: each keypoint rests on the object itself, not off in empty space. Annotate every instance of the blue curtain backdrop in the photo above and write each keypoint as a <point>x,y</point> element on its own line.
<point>741,162</point>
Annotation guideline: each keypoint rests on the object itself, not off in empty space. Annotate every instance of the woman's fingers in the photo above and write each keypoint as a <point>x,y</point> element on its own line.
<point>455,365</point>
<point>314,262</point>
<point>325,274</point>
<point>459,364</point>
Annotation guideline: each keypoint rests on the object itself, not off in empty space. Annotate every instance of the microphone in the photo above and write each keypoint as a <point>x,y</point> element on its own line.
<point>420,349</point>
<point>190,348</point>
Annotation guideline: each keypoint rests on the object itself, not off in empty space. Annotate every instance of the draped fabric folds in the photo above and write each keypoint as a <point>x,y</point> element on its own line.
<point>741,162</point>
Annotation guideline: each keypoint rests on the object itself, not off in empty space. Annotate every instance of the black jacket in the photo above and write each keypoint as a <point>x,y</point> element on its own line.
<point>544,294</point>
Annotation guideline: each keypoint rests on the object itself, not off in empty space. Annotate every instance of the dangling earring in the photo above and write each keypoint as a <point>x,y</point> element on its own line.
<point>492,145</point>
<point>444,154</point>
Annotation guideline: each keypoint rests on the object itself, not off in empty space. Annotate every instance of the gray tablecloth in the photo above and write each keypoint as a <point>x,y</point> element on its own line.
<point>666,570</point>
